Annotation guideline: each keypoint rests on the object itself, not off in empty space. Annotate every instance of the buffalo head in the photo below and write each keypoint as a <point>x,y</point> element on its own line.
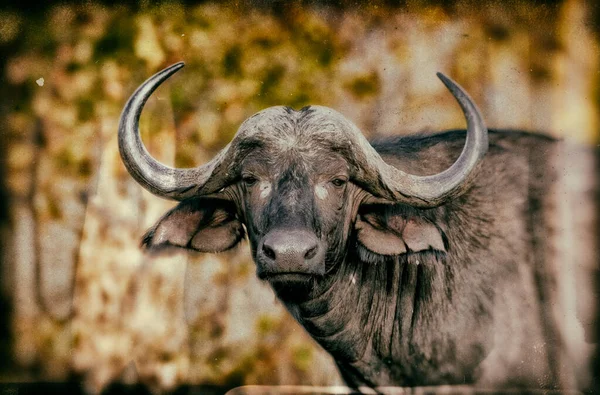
<point>299,183</point>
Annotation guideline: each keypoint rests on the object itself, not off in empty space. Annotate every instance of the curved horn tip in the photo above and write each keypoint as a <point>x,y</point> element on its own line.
<point>177,65</point>
<point>173,68</point>
<point>445,79</point>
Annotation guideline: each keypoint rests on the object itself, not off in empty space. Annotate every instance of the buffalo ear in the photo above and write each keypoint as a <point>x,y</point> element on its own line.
<point>393,230</point>
<point>201,224</point>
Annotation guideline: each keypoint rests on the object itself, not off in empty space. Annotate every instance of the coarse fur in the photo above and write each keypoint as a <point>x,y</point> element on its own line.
<point>398,295</point>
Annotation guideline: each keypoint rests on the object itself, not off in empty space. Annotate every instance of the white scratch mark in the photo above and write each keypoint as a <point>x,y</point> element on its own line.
<point>321,192</point>
<point>265,189</point>
<point>40,81</point>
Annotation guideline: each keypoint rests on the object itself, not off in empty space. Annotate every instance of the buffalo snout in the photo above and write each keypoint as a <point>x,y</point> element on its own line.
<point>290,253</point>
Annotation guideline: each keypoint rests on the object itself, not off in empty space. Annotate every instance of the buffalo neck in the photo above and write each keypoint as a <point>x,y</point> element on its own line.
<point>367,312</point>
<point>387,322</point>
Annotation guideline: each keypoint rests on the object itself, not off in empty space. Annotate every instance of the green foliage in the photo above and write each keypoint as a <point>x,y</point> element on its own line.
<point>302,357</point>
<point>266,325</point>
<point>364,85</point>
<point>85,108</point>
<point>117,41</point>
<point>271,80</point>
<point>232,62</point>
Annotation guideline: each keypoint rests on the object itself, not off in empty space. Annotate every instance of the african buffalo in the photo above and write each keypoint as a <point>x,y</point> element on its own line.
<point>418,260</point>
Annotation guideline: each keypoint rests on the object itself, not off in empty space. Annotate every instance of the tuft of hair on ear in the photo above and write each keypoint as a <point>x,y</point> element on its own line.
<point>147,246</point>
<point>147,239</point>
<point>146,242</point>
<point>425,257</point>
<point>367,256</point>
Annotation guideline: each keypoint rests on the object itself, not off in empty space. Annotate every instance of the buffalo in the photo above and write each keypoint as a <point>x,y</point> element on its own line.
<point>419,260</point>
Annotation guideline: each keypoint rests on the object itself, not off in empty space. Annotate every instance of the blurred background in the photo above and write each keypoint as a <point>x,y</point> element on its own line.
<point>79,301</point>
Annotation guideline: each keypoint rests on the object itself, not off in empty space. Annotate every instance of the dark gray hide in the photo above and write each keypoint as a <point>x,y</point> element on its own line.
<point>475,285</point>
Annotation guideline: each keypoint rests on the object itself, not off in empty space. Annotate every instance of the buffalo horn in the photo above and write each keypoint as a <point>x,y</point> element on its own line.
<point>434,190</point>
<point>159,179</point>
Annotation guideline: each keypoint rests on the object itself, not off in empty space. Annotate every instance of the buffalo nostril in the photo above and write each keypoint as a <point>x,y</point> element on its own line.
<point>268,251</point>
<point>311,253</point>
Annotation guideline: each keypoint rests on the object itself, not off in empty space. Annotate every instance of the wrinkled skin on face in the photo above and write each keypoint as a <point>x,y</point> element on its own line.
<point>294,196</point>
<point>297,202</point>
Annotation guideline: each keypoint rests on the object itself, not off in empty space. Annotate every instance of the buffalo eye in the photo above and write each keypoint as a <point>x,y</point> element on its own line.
<point>338,182</point>
<point>249,180</point>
